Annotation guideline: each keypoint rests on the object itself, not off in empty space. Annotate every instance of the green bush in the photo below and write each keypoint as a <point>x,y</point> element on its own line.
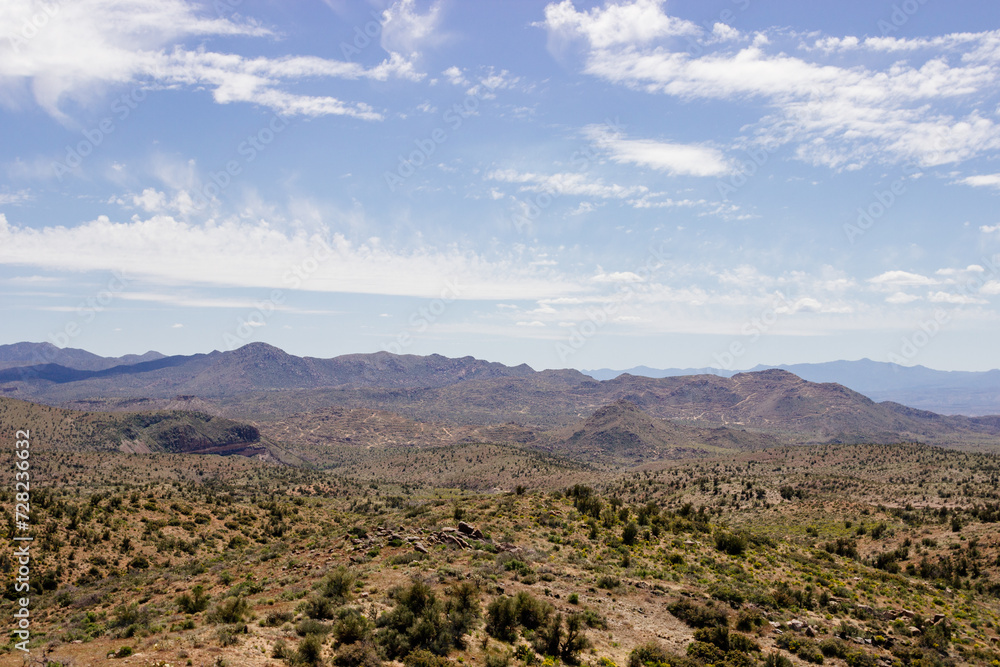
<point>310,626</point>
<point>351,627</point>
<point>733,544</point>
<point>424,658</point>
<point>229,611</point>
<point>338,585</point>
<point>194,602</point>
<point>707,653</point>
<point>776,660</point>
<point>420,620</point>
<point>320,608</point>
<point>501,619</point>
<point>653,654</point>
<point>310,651</point>
<point>360,654</point>
<point>833,648</point>
<point>531,612</point>
<point>749,620</point>
<point>552,640</point>
<point>697,615</point>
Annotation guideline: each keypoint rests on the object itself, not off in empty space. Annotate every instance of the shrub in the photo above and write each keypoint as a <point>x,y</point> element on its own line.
<point>231,610</point>
<point>697,615</point>
<point>566,644</point>
<point>320,608</point>
<point>707,653</point>
<point>196,602</point>
<point>309,626</point>
<point>776,660</point>
<point>421,621</point>
<point>531,612</point>
<point>630,532</point>
<point>424,658</point>
<point>716,635</point>
<point>608,582</point>
<point>501,619</point>
<point>351,626</point>
<point>863,659</point>
<point>310,651</point>
<point>276,618</point>
<point>749,620</point>
<point>833,648</point>
<point>733,544</point>
<point>360,654</point>
<point>339,584</point>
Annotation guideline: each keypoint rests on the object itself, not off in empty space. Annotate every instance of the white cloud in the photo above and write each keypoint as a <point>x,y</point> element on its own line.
<point>617,277</point>
<point>982,181</point>
<point>678,159</point>
<point>615,24</point>
<point>837,113</point>
<point>88,46</point>
<point>533,323</point>
<point>901,297</point>
<point>901,279</point>
<point>177,326</point>
<point>958,299</point>
<point>237,254</point>
<point>407,31</point>
<point>991,288</point>
<point>455,76</point>
<point>566,184</point>
<point>989,228</point>
<point>150,200</point>
<point>15,198</point>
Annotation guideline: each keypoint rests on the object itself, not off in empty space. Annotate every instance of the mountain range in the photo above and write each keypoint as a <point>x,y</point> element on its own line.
<point>946,392</point>
<point>264,385</point>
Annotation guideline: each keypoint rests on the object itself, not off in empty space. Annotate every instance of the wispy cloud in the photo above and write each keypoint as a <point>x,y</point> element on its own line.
<point>673,158</point>
<point>837,113</point>
<point>89,45</point>
<point>236,254</point>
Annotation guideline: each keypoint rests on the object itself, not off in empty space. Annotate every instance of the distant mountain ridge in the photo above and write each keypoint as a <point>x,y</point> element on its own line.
<point>947,392</point>
<point>261,382</point>
<point>253,367</point>
<point>19,355</point>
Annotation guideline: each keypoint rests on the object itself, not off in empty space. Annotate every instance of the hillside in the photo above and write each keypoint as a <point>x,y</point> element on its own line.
<point>262,383</point>
<point>253,367</point>
<point>621,432</point>
<point>945,392</point>
<point>35,354</point>
<point>179,432</point>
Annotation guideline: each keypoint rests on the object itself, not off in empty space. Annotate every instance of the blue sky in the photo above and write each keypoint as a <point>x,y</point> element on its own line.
<point>567,184</point>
